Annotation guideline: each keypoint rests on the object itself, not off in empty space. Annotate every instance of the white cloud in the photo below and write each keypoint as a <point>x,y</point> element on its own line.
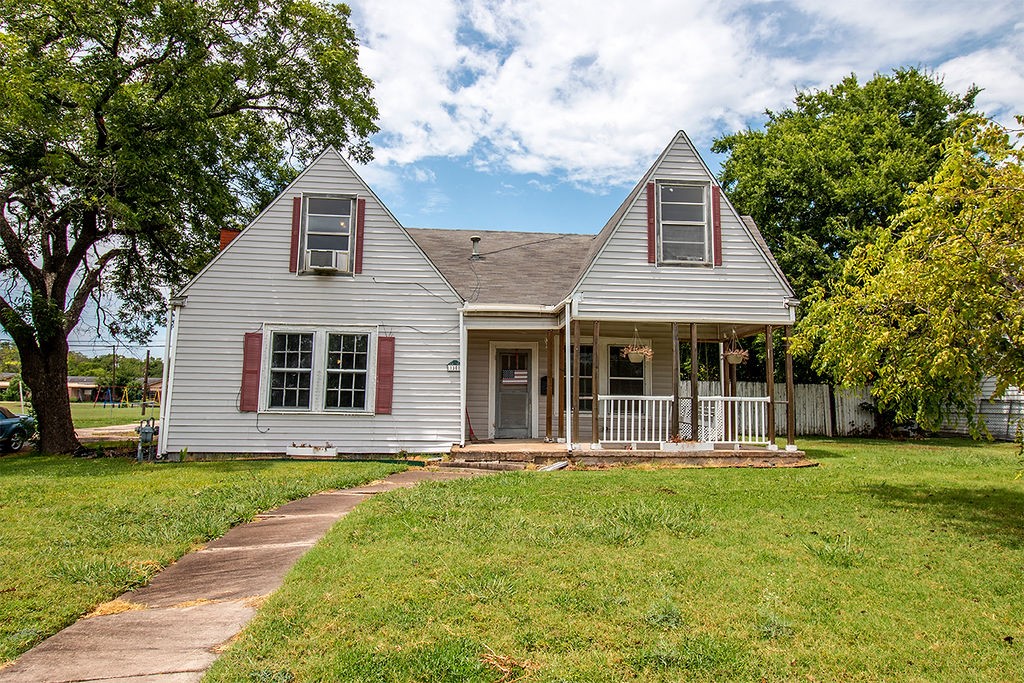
<point>590,91</point>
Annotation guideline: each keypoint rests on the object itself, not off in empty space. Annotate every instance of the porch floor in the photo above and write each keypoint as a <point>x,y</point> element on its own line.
<point>521,453</point>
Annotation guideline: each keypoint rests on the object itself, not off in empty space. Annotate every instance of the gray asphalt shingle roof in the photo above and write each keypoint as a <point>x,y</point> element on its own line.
<point>514,268</point>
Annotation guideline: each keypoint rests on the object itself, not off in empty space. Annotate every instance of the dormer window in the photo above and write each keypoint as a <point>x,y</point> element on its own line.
<point>327,229</point>
<point>684,223</point>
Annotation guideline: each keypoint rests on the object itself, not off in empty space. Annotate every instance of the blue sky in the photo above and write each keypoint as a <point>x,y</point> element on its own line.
<point>541,114</point>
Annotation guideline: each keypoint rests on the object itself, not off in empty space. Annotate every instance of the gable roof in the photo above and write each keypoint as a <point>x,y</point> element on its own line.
<point>514,268</point>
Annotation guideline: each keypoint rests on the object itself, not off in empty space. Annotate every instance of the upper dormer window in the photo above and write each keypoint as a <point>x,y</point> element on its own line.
<point>684,223</point>
<point>327,226</point>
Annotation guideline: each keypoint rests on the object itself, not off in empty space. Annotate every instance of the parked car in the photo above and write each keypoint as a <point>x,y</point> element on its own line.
<point>15,430</point>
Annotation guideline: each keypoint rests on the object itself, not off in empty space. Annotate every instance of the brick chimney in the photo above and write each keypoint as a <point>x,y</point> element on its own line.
<point>226,235</point>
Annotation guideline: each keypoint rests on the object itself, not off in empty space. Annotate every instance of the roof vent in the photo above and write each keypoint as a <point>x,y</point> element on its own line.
<point>475,256</point>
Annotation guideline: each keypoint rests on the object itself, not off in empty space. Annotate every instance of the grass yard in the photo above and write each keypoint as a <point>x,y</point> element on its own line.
<point>96,415</point>
<point>76,533</point>
<point>888,562</point>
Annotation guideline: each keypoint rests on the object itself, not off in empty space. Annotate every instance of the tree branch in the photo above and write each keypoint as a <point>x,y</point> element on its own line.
<point>85,289</point>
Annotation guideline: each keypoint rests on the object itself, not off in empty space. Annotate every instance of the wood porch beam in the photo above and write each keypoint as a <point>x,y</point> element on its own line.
<point>790,395</point>
<point>549,394</point>
<point>694,394</point>
<point>674,421</point>
<point>769,379</point>
<point>575,404</point>
<point>594,374</point>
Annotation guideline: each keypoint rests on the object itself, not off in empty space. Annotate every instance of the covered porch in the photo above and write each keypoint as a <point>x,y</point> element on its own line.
<point>567,384</point>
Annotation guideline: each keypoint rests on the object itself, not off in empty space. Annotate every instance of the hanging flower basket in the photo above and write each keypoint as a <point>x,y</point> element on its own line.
<point>637,353</point>
<point>736,356</point>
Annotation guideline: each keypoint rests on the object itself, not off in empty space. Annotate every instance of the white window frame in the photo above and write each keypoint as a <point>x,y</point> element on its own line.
<point>304,266</point>
<point>318,384</point>
<point>706,192</point>
<point>606,366</point>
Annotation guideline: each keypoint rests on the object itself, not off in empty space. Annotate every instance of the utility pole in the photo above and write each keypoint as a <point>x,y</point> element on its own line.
<point>145,384</point>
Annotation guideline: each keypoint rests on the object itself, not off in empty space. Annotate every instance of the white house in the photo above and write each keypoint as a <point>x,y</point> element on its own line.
<point>325,321</point>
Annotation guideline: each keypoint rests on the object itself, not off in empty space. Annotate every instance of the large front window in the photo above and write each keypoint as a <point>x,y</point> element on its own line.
<point>683,210</point>
<point>320,371</point>
<point>328,234</point>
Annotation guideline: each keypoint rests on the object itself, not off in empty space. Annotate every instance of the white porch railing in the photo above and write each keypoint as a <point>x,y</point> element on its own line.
<point>733,419</point>
<point>635,419</point>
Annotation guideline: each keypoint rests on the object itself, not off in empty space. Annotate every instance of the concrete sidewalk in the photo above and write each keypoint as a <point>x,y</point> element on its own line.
<point>173,629</point>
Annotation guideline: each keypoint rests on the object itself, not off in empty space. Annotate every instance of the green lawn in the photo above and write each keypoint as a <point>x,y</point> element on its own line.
<point>888,562</point>
<point>75,533</point>
<point>97,415</point>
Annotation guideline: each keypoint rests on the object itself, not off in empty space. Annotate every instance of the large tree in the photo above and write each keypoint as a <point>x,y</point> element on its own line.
<point>935,302</point>
<point>130,131</point>
<point>819,175</point>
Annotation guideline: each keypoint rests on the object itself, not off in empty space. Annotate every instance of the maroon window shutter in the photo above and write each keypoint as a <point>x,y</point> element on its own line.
<point>360,227</point>
<point>652,224</point>
<point>252,356</point>
<point>716,224</point>
<point>385,374</point>
<point>293,265</point>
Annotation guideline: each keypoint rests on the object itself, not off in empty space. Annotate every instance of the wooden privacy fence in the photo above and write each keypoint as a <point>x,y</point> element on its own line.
<point>821,410</point>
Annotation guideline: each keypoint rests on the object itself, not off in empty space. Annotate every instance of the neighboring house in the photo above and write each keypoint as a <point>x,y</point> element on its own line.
<point>5,380</point>
<point>81,388</point>
<point>326,321</point>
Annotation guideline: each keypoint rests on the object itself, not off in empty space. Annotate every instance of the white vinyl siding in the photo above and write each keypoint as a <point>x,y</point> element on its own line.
<point>621,284</point>
<point>248,288</point>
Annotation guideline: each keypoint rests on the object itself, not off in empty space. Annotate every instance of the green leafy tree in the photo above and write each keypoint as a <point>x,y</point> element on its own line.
<point>130,132</point>
<point>936,301</point>
<point>821,174</point>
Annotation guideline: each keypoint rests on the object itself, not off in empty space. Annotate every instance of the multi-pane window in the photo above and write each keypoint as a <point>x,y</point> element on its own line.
<point>291,370</point>
<point>586,376</point>
<point>684,224</point>
<point>625,378</point>
<point>347,356</point>
<point>328,233</point>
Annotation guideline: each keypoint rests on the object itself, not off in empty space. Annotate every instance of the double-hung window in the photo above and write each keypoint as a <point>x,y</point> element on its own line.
<point>347,356</point>
<point>684,213</point>
<point>319,371</point>
<point>625,378</point>
<point>327,223</point>
<point>586,403</point>
<point>291,370</point>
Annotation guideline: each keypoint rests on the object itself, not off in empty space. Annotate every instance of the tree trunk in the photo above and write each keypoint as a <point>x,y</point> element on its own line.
<point>45,371</point>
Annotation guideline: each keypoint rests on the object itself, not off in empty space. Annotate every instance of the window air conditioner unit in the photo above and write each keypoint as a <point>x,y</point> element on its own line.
<point>326,261</point>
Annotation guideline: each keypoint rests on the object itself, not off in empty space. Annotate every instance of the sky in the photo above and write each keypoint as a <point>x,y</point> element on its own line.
<point>540,115</point>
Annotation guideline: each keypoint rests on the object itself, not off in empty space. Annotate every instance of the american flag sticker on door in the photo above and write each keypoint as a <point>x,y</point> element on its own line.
<point>513,377</point>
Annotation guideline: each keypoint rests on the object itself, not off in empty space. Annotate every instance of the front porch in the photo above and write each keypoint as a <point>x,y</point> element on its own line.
<point>572,388</point>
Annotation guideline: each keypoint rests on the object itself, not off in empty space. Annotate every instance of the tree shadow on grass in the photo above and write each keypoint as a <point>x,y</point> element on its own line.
<point>988,512</point>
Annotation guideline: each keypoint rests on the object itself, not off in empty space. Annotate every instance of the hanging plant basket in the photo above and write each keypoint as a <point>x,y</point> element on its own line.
<point>636,351</point>
<point>736,356</point>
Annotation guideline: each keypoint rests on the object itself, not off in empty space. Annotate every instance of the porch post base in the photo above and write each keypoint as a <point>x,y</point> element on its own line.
<point>791,447</point>
<point>595,446</point>
<point>773,446</point>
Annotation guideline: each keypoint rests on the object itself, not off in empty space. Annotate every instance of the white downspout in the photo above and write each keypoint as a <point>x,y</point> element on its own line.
<point>463,369</point>
<point>165,407</point>
<point>568,375</point>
